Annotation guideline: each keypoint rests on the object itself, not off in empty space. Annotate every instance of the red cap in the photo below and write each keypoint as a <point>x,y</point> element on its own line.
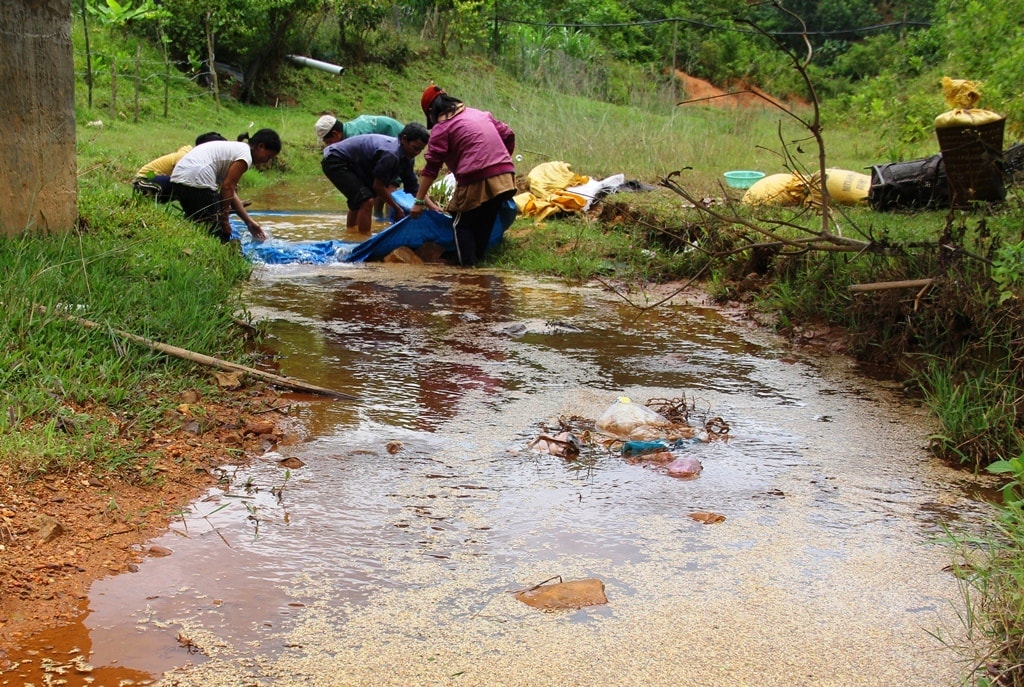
<point>429,95</point>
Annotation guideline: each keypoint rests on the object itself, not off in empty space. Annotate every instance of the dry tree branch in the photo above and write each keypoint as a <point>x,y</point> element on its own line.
<point>651,306</point>
<point>827,241</point>
<point>826,238</point>
<point>814,126</point>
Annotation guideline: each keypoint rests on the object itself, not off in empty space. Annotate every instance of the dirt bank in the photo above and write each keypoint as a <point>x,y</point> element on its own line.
<point>61,532</point>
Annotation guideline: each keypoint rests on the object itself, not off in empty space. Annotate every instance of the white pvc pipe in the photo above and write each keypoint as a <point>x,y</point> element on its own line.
<point>316,64</point>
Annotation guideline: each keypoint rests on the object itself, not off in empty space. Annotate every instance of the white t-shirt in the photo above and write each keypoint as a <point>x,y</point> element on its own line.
<point>207,165</point>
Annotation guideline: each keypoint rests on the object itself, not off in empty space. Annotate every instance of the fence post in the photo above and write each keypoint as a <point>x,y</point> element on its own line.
<point>138,81</point>
<point>167,70</point>
<point>113,88</point>
<point>210,57</point>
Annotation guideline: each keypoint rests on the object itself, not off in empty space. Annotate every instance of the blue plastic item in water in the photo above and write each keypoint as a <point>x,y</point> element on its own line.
<point>639,448</point>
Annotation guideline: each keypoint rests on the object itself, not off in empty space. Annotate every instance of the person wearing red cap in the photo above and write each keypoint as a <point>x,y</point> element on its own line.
<point>477,148</point>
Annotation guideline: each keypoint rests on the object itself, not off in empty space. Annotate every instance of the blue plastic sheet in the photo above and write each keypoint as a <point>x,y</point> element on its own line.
<point>429,226</point>
<point>408,231</point>
<point>277,252</point>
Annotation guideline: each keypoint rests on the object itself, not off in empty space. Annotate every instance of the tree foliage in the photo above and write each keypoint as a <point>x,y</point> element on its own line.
<point>859,46</point>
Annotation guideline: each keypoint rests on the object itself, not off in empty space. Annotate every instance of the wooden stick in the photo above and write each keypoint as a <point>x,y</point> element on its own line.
<point>210,361</point>
<point>886,285</point>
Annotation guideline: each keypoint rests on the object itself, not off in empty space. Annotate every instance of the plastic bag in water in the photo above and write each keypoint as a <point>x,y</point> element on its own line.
<point>626,420</point>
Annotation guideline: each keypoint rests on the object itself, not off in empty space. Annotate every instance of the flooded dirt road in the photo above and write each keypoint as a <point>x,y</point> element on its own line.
<point>388,553</point>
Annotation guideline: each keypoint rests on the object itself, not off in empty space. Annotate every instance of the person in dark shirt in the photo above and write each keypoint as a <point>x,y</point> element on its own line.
<point>364,167</point>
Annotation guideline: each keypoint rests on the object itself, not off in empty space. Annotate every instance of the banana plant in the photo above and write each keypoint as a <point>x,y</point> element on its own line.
<point>112,13</point>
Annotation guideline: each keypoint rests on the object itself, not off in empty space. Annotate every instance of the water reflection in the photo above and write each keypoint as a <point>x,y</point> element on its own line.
<point>375,328</point>
<point>425,484</point>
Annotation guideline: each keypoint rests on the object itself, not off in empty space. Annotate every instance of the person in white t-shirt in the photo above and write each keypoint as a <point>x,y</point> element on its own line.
<point>154,178</point>
<point>205,181</point>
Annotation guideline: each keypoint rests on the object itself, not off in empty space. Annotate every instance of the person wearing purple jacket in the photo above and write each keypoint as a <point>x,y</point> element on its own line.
<point>477,149</point>
<point>364,167</point>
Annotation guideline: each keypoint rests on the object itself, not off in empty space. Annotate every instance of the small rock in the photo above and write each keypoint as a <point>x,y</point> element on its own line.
<point>260,427</point>
<point>707,518</point>
<point>572,594</point>
<point>403,254</point>
<point>49,528</point>
<point>229,380</point>
<point>430,252</point>
<point>191,397</point>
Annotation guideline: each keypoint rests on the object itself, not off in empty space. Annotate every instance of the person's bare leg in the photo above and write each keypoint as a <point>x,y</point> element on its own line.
<point>364,218</point>
<point>378,205</point>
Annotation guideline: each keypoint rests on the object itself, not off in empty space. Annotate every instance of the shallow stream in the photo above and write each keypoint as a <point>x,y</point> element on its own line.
<point>390,555</point>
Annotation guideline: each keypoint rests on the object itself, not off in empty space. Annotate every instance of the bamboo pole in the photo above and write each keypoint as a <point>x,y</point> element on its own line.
<point>887,285</point>
<point>210,361</point>
<point>138,79</point>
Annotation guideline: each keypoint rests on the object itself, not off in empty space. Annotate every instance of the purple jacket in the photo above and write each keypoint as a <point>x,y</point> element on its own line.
<point>473,144</point>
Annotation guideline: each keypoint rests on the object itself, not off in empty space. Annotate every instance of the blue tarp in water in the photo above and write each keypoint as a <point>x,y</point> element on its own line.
<point>408,231</point>
<point>428,227</point>
<point>278,252</point>
<point>275,251</point>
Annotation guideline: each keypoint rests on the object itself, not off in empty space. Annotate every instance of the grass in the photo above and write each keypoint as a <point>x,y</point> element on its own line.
<point>68,391</point>
<point>990,573</point>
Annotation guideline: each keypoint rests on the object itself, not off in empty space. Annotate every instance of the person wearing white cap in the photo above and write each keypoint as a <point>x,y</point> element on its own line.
<point>364,168</point>
<point>329,129</point>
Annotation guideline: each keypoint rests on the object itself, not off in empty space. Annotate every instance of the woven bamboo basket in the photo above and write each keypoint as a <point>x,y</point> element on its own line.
<point>973,157</point>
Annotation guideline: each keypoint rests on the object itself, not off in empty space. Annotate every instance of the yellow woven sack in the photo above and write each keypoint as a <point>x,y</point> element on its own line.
<point>962,95</point>
<point>844,187</point>
<point>776,189</point>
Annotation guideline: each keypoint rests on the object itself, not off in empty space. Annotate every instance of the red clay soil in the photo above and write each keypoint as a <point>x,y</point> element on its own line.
<point>738,96</point>
<point>60,532</point>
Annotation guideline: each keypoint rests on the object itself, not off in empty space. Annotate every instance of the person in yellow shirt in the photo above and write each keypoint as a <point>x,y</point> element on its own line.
<point>154,178</point>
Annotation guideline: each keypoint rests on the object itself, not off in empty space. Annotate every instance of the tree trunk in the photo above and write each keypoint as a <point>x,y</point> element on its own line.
<point>272,47</point>
<point>211,58</point>
<point>38,182</point>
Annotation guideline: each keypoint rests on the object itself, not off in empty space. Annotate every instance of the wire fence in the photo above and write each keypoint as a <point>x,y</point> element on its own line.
<point>130,86</point>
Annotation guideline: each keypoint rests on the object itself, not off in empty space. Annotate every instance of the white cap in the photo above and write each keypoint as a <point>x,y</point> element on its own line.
<point>323,126</point>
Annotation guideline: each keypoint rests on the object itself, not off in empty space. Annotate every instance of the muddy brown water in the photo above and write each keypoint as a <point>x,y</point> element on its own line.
<point>367,567</point>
